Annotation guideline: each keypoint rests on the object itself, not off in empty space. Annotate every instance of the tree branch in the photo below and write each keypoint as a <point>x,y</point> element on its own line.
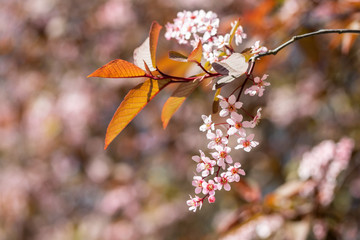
<point>295,38</point>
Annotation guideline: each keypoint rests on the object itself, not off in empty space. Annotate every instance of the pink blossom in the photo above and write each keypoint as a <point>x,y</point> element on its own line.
<point>234,172</point>
<point>211,198</point>
<point>194,203</point>
<point>200,159</point>
<point>222,41</point>
<point>258,87</point>
<point>209,187</point>
<point>207,167</point>
<point>197,182</point>
<point>257,118</point>
<point>228,105</point>
<point>223,180</point>
<point>239,34</point>
<point>257,49</point>
<point>247,143</point>
<point>208,124</point>
<point>237,126</point>
<point>216,139</point>
<point>222,155</point>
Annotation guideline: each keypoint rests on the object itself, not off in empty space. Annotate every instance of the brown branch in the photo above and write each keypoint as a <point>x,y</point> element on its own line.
<point>295,38</point>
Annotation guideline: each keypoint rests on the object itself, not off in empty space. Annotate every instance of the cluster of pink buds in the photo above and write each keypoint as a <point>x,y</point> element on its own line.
<point>218,171</point>
<point>192,27</point>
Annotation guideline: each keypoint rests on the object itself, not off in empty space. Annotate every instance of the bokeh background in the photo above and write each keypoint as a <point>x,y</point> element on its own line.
<point>57,182</point>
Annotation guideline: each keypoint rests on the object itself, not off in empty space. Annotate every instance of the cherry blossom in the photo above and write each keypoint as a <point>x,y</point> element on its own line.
<point>211,198</point>
<point>235,171</point>
<point>223,180</point>
<point>197,182</point>
<point>257,49</point>
<point>247,143</point>
<point>222,41</point>
<point>258,87</point>
<point>207,167</point>
<point>209,187</point>
<point>228,105</point>
<point>237,126</point>
<point>222,155</point>
<point>194,203</point>
<point>257,118</point>
<point>208,124</point>
<point>216,139</point>
<point>200,159</point>
<point>239,34</point>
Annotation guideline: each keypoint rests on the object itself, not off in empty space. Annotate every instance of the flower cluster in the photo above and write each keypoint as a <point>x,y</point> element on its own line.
<point>217,171</point>
<point>192,27</point>
<point>322,165</point>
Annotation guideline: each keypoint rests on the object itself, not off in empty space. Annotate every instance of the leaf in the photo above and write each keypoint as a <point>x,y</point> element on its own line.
<point>133,103</point>
<point>222,81</point>
<point>215,105</point>
<point>176,100</point>
<point>235,65</point>
<point>142,55</point>
<point>147,51</point>
<point>196,54</point>
<point>176,56</point>
<point>154,37</point>
<point>118,69</point>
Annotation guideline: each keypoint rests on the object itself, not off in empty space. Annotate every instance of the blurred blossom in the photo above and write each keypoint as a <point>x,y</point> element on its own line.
<point>98,169</point>
<point>41,122</point>
<point>38,8</point>
<point>260,228</point>
<point>323,164</point>
<point>63,166</point>
<point>319,229</point>
<point>115,13</point>
<point>286,103</point>
<point>56,27</point>
<point>355,188</point>
<point>14,188</point>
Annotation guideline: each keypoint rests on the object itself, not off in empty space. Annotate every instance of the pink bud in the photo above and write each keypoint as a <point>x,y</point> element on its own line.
<point>211,199</point>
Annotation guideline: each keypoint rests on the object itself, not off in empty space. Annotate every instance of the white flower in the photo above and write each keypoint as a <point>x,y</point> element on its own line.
<point>223,180</point>
<point>239,33</point>
<point>228,105</point>
<point>258,87</point>
<point>194,203</point>
<point>234,172</point>
<point>208,124</point>
<point>222,155</point>
<point>257,49</point>
<point>237,126</point>
<point>216,139</point>
<point>247,143</point>
<point>197,182</point>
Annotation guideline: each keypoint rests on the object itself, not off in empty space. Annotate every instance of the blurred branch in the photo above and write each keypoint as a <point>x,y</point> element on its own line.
<point>295,38</point>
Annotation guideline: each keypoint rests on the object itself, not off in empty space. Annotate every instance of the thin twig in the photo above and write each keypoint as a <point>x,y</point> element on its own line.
<point>295,38</point>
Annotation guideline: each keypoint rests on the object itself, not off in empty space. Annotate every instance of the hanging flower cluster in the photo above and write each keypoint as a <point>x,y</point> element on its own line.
<point>218,171</point>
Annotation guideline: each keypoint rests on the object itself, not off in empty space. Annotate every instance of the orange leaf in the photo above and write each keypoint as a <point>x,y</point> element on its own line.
<point>133,103</point>
<point>196,54</point>
<point>145,54</point>
<point>176,100</point>
<point>118,69</point>
<point>154,37</point>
